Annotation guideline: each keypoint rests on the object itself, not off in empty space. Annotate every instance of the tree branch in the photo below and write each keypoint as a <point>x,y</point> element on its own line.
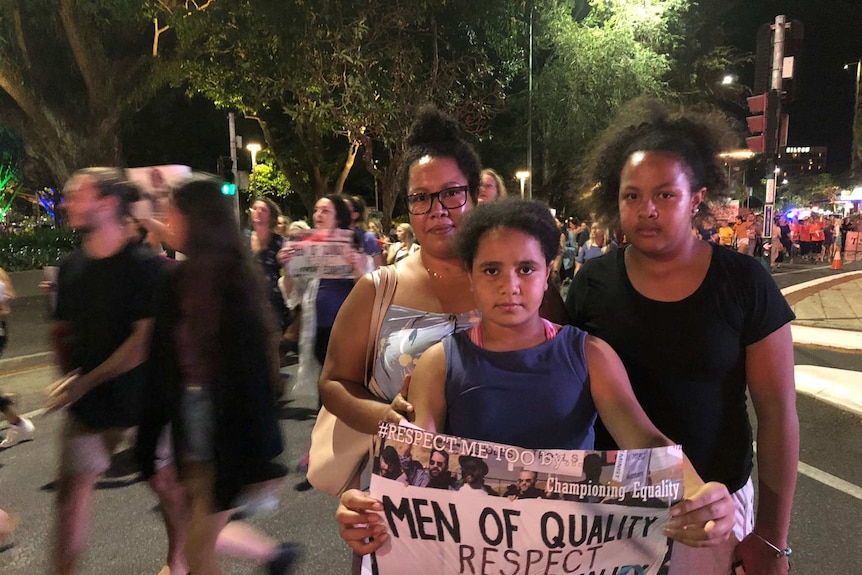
<point>12,83</point>
<point>84,51</point>
<point>157,32</point>
<point>352,150</point>
<point>19,36</point>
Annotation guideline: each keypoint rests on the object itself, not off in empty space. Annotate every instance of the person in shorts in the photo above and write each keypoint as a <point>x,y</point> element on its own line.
<point>103,321</point>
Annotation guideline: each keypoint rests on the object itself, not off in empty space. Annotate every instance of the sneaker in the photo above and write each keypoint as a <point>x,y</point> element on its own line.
<point>17,433</point>
<point>287,558</point>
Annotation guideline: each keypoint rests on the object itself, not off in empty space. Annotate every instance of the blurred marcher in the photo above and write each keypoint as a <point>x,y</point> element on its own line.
<point>594,247</point>
<point>209,377</point>
<point>364,241</point>
<point>100,336</point>
<point>405,245</point>
<point>491,186</point>
<point>265,243</point>
<point>20,428</point>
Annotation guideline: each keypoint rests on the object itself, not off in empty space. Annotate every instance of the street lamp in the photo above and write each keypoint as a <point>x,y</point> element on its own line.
<point>522,176</point>
<point>254,149</point>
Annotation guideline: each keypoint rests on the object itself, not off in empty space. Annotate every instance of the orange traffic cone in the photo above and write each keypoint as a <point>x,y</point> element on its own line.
<point>836,261</point>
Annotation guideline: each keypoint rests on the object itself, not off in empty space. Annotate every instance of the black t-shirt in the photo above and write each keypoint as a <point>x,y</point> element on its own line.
<point>686,359</point>
<point>102,299</point>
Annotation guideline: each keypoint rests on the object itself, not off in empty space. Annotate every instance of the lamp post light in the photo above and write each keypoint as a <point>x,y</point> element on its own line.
<point>522,175</point>
<point>254,149</point>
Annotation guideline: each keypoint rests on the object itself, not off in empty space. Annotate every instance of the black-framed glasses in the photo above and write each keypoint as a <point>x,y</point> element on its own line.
<point>450,198</point>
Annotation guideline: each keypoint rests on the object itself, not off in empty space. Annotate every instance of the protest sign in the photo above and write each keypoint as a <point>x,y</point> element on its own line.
<point>320,254</point>
<point>155,183</point>
<point>458,506</point>
<point>724,211</point>
<point>853,247</point>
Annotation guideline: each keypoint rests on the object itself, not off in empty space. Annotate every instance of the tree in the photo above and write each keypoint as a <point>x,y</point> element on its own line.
<point>69,71</point>
<point>339,74</point>
<point>804,190</point>
<point>592,56</point>
<point>587,70</point>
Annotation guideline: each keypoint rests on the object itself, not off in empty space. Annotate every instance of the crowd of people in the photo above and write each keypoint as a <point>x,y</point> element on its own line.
<point>474,301</point>
<point>792,237</point>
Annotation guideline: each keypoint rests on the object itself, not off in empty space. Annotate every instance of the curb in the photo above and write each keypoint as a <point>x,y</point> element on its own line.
<point>805,285</point>
<point>837,387</point>
<point>23,362</point>
<point>838,339</point>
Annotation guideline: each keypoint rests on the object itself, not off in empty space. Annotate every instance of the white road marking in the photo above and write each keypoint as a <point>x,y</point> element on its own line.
<point>830,480</point>
<point>826,479</point>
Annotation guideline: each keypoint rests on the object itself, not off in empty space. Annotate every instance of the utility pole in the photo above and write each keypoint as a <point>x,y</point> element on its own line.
<point>856,144</point>
<point>529,112</point>
<point>772,154</point>
<point>231,121</point>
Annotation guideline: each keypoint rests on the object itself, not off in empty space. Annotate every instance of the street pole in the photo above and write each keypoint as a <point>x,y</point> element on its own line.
<point>777,69</point>
<point>231,121</point>
<point>529,111</point>
<point>856,143</point>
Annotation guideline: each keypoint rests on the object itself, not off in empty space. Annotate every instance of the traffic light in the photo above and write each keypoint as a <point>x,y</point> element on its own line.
<point>762,124</point>
<point>224,167</point>
<point>225,170</point>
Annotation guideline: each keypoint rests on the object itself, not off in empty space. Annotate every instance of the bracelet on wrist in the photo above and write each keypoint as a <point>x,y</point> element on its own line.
<point>779,553</point>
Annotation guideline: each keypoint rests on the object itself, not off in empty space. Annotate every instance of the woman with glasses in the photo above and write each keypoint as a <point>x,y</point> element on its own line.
<point>439,178</point>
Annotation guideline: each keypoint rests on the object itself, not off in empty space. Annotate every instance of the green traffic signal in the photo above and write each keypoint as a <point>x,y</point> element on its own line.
<point>228,189</point>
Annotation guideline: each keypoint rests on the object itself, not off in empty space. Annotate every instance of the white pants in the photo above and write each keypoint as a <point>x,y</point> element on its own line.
<point>717,560</point>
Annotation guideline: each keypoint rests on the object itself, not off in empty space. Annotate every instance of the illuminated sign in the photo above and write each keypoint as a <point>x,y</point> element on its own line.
<point>798,150</point>
<point>848,196</point>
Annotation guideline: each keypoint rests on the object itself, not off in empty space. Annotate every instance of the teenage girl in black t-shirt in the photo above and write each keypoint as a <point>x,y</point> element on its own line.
<point>651,178</point>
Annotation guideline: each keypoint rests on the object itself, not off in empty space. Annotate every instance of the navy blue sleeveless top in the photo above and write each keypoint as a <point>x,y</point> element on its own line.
<point>533,398</point>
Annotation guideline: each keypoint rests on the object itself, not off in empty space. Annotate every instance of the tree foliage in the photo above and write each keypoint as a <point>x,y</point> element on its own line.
<point>338,74</point>
<point>69,70</point>
<point>803,190</point>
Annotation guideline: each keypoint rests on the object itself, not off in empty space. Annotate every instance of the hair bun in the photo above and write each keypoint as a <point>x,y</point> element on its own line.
<point>432,125</point>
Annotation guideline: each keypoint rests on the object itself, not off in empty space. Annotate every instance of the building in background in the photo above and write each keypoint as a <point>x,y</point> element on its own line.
<point>800,160</point>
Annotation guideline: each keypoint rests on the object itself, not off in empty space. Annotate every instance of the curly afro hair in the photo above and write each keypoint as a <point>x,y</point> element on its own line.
<point>436,134</point>
<point>695,137</point>
<point>528,216</point>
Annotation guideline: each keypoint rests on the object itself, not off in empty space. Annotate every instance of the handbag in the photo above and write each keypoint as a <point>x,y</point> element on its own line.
<point>338,452</point>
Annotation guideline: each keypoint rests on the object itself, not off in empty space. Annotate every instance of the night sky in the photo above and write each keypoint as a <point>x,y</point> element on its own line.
<point>822,114</point>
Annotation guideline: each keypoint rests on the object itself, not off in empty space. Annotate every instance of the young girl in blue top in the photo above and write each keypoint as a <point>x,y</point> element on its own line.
<point>516,378</point>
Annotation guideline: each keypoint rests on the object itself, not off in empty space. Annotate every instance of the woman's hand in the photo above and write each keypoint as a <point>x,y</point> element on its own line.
<point>703,520</point>
<point>358,261</point>
<point>358,523</point>
<point>400,408</point>
<point>284,254</point>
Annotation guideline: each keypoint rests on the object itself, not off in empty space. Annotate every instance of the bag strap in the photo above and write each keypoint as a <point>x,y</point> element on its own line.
<point>385,291</point>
